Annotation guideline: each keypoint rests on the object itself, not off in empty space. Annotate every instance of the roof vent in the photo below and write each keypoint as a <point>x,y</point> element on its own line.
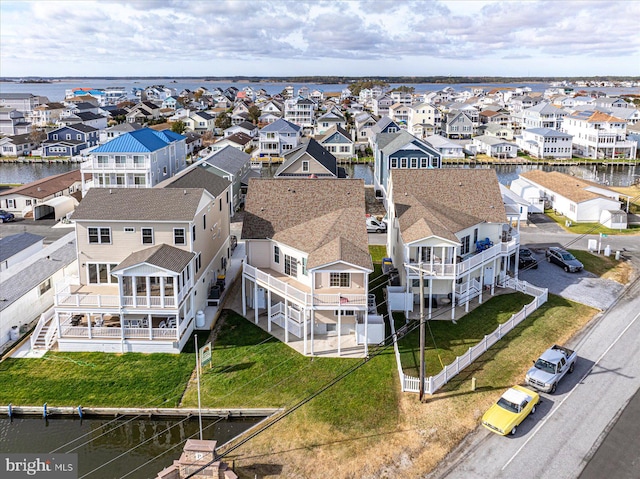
<point>110,191</point>
<point>184,192</point>
<point>39,189</point>
<point>460,184</point>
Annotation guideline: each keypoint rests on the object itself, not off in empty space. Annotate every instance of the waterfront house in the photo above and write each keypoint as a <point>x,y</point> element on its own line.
<point>278,138</point>
<point>246,128</point>
<point>577,199</point>
<point>301,112</point>
<point>309,159</point>
<point>453,223</point>
<point>447,149</point>
<point>492,129</point>
<point>142,272</point>
<point>338,142</point>
<point>381,104</point>
<point>400,113</point>
<point>27,286</point>
<point>495,147</point>
<point>13,122</point>
<point>137,159</point>
<point>400,150</point>
<point>23,102</point>
<point>47,114</point>
<point>53,196</point>
<point>234,166</point>
<point>308,264</point>
<point>599,135</point>
<point>17,145</point>
<point>457,125</point>
<point>364,122</point>
<point>545,143</point>
<point>70,140</point>
<point>543,115</point>
<point>424,114</point>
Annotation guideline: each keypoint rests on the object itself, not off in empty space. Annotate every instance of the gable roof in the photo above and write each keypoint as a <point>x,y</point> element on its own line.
<point>247,125</point>
<point>548,132</point>
<point>239,138</point>
<point>46,186</point>
<point>454,200</point>
<point>78,127</point>
<point>336,130</point>
<point>12,245</point>
<point>228,159</point>
<point>575,189</point>
<point>199,177</point>
<point>151,204</point>
<point>162,255</point>
<point>145,140</point>
<point>282,126</point>
<point>313,149</point>
<point>324,218</point>
<point>389,143</point>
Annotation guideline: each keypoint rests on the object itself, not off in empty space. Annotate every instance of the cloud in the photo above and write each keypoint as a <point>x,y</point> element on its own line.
<point>87,34</point>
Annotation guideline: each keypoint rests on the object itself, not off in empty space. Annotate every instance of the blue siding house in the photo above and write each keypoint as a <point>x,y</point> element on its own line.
<point>70,140</point>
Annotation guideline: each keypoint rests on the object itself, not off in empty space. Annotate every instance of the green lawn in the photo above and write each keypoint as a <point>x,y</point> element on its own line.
<point>96,379</point>
<point>603,266</point>
<point>452,340</point>
<point>590,228</point>
<point>252,369</point>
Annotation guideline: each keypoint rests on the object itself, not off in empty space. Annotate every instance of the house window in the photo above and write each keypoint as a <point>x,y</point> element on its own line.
<point>475,236</point>
<point>464,249</point>
<point>120,159</point>
<point>572,208</point>
<point>403,162</point>
<point>204,222</point>
<point>198,262</point>
<point>100,273</point>
<point>394,162</point>
<point>276,254</point>
<point>129,229</point>
<point>11,203</point>
<point>68,136</point>
<point>44,286</point>
<point>164,170</point>
<point>339,280</point>
<point>344,312</point>
<point>414,162</point>
<point>220,204</point>
<point>147,235</point>
<point>99,235</point>
<point>193,233</point>
<point>290,265</point>
<point>179,236</point>
<point>305,166</point>
<point>304,266</point>
<point>102,159</point>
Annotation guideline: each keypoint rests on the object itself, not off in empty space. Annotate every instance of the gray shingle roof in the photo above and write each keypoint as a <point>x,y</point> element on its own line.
<point>13,244</point>
<point>443,202</point>
<point>316,151</point>
<point>162,255</point>
<point>199,177</point>
<point>228,159</point>
<point>322,217</point>
<point>139,204</point>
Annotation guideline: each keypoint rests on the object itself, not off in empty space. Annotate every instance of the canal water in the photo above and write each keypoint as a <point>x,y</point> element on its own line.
<point>109,448</point>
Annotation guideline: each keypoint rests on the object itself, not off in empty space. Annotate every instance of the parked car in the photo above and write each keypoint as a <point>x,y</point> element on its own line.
<point>512,408</point>
<point>6,216</point>
<point>564,259</point>
<point>526,259</point>
<point>550,368</point>
<point>375,226</point>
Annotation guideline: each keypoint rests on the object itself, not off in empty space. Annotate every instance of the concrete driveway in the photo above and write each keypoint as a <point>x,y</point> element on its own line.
<point>583,287</point>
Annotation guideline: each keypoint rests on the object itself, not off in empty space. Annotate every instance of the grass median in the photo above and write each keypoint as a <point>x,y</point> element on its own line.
<point>606,267</point>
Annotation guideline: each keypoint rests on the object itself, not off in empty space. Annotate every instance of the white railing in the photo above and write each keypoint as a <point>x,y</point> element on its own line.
<point>112,301</point>
<point>276,285</point>
<point>116,332</point>
<point>433,383</point>
<point>295,319</point>
<point>44,319</point>
<point>113,165</point>
<point>340,299</point>
<point>463,294</point>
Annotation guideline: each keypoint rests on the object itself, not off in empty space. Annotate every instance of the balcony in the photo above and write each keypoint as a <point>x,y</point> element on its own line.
<point>94,164</point>
<point>300,293</point>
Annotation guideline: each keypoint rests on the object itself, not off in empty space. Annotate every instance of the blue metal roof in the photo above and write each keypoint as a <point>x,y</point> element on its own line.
<point>145,140</point>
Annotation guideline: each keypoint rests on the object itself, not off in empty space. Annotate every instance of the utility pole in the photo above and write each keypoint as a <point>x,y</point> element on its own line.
<point>421,331</point>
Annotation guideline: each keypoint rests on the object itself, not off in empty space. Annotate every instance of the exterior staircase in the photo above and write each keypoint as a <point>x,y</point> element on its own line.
<point>45,334</point>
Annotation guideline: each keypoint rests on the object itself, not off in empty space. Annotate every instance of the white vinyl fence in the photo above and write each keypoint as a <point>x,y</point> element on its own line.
<point>433,383</point>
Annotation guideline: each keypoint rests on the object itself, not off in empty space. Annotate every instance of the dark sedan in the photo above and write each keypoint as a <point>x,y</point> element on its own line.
<point>526,259</point>
<point>564,259</point>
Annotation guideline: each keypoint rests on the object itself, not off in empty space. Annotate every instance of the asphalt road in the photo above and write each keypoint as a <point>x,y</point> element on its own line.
<point>582,417</point>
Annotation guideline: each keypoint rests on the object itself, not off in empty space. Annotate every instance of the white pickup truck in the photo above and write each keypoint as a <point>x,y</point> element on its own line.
<point>550,368</point>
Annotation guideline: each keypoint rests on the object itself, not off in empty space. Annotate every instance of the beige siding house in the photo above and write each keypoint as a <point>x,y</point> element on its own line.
<point>143,271</point>
<point>308,264</point>
<point>310,159</point>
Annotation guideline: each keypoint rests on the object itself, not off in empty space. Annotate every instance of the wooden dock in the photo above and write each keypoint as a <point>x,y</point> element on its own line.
<point>52,411</point>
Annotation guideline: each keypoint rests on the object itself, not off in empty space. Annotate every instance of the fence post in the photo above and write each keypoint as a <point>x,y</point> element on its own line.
<point>485,342</point>
<point>500,330</point>
<point>457,364</point>
<point>469,353</point>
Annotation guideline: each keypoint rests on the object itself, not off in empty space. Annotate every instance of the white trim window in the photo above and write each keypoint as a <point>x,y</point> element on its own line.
<point>100,273</point>
<point>339,280</point>
<point>147,235</point>
<point>276,254</point>
<point>305,166</point>
<point>290,266</point>
<point>344,312</point>
<point>179,236</point>
<point>99,235</point>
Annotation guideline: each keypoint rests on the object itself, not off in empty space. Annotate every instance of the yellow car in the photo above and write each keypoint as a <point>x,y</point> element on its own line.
<point>511,409</point>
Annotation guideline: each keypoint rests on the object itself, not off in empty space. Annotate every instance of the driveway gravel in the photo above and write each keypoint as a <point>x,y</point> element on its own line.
<point>583,287</point>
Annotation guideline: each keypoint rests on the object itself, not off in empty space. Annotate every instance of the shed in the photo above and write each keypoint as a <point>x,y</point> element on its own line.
<point>59,206</point>
<point>614,219</point>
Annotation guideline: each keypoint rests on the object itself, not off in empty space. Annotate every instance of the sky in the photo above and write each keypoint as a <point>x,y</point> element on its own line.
<point>291,37</point>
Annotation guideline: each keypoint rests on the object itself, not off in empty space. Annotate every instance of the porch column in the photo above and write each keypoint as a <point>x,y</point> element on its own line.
<point>466,304</point>
<point>148,281</point>
<point>304,331</point>
<point>313,320</point>
<point>430,295</point>
<point>162,282</point>
<point>269,310</point>
<point>366,332</point>
<point>453,285</point>
<point>178,326</point>
<point>481,284</point>
<point>516,262</point>
<point>58,325</point>
<point>134,291</point>
<point>150,326</point>
<point>255,301</point>
<point>339,328</point>
<point>286,314</point>
<point>244,296</point>
<point>89,324</point>
<point>493,279</point>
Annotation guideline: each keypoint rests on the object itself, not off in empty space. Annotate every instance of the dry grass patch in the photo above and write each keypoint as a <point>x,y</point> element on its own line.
<point>302,447</point>
<point>606,267</point>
